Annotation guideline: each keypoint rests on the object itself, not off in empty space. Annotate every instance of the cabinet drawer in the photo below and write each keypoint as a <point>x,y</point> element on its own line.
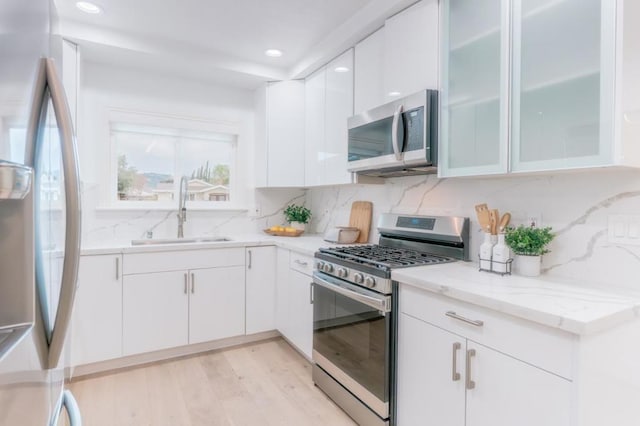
<point>138,263</point>
<point>301,263</point>
<point>538,345</point>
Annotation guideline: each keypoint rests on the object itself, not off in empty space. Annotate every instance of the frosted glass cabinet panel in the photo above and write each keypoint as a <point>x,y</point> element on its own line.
<point>562,107</point>
<point>475,66</point>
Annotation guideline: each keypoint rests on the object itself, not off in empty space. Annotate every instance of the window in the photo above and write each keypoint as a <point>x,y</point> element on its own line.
<point>150,162</point>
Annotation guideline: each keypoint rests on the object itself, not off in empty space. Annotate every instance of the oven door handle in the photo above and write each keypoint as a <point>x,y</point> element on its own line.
<point>381,303</point>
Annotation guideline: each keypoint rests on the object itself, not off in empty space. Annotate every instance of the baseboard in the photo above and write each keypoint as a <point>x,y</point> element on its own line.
<point>104,367</point>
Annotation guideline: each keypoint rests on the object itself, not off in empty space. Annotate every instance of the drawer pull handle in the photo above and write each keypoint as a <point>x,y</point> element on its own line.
<point>470,384</point>
<point>455,376</point>
<point>301,263</point>
<point>453,315</point>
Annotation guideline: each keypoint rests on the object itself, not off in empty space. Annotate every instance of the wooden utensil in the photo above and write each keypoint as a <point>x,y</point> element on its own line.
<point>494,217</point>
<point>504,222</point>
<point>361,212</point>
<point>482,211</point>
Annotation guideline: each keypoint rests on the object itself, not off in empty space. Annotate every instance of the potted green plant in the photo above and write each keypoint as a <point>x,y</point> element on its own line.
<point>529,244</point>
<point>297,216</point>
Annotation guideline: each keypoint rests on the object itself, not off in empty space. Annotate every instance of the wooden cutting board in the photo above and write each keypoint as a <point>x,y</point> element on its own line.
<point>361,212</point>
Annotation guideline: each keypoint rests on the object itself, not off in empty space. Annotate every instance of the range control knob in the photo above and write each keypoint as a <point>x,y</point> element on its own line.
<point>328,268</point>
<point>342,272</point>
<point>369,282</point>
<point>320,266</point>
<point>358,278</point>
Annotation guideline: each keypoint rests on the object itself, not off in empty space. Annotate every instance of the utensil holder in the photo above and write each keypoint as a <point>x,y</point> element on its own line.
<point>491,262</point>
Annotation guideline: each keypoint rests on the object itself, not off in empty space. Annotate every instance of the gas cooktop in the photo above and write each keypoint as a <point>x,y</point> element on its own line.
<point>383,257</point>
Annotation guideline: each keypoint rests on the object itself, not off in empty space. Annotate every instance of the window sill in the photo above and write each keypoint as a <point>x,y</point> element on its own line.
<point>169,209</point>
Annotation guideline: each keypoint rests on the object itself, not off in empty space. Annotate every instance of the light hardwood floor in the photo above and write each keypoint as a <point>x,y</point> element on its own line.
<point>265,383</point>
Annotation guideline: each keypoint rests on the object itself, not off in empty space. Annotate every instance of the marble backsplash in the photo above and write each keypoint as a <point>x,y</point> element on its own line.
<point>108,227</point>
<point>576,205</point>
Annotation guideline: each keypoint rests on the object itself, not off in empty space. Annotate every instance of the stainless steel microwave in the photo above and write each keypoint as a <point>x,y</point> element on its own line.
<point>396,139</point>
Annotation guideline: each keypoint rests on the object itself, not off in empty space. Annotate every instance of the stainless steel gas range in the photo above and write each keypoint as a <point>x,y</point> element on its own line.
<point>355,304</point>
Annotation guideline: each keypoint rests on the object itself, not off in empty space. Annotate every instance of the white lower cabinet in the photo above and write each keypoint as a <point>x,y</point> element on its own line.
<point>97,315</point>
<point>294,302</point>
<point>260,289</point>
<point>155,311</point>
<point>446,378</point>
<point>216,303</point>
<point>301,312</point>
<point>167,309</point>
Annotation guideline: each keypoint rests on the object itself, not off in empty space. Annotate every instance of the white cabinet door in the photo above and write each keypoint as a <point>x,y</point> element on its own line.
<point>216,303</point>
<point>509,392</point>
<point>282,292</point>
<point>338,108</point>
<point>562,101</point>
<point>428,392</point>
<point>301,312</point>
<point>315,127</point>
<point>260,289</point>
<point>285,133</point>
<point>97,312</point>
<point>474,96</point>
<point>369,73</point>
<point>155,311</point>
<point>411,50</point>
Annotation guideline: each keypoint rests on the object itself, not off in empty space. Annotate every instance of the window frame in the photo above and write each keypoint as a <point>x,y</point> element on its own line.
<point>183,127</point>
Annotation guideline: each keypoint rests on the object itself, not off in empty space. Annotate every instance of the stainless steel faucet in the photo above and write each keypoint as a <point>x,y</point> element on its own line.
<point>182,207</point>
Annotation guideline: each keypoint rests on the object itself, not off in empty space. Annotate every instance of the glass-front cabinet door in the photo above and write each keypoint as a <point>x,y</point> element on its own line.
<point>475,70</point>
<point>562,84</point>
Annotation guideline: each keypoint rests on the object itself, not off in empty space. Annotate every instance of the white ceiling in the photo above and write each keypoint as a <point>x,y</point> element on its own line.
<point>223,40</point>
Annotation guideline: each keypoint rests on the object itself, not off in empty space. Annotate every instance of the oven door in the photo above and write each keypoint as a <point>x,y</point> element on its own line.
<point>352,339</point>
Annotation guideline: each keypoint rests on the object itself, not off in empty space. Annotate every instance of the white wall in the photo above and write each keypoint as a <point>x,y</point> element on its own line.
<point>105,91</point>
<point>577,205</point>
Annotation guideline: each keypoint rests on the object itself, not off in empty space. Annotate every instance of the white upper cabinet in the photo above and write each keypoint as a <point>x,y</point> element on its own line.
<point>536,85</point>
<point>315,88</point>
<point>411,40</point>
<point>280,156</point>
<point>474,95</point>
<point>338,108</point>
<point>328,103</point>
<point>562,95</point>
<point>369,72</point>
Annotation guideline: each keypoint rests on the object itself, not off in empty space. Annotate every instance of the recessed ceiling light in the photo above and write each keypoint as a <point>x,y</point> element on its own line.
<point>341,69</point>
<point>274,53</point>
<point>88,7</point>
<point>394,93</point>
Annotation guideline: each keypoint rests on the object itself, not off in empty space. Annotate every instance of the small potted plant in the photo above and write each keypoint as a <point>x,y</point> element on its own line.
<point>529,244</point>
<point>297,216</point>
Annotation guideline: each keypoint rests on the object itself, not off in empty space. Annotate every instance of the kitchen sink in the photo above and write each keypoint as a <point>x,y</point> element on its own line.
<point>186,240</point>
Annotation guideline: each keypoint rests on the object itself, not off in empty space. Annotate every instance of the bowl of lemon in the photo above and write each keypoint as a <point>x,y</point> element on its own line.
<point>284,231</point>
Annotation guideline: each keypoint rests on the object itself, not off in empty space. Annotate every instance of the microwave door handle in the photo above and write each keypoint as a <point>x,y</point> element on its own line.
<point>396,127</point>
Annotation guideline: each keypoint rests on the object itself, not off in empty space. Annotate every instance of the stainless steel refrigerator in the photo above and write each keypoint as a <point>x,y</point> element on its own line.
<point>39,219</point>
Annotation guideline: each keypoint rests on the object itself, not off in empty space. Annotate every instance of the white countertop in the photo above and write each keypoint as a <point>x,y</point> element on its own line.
<point>305,244</point>
<point>565,304</point>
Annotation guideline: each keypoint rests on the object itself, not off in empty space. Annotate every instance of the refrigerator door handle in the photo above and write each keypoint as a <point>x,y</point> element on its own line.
<point>73,219</point>
<point>73,411</point>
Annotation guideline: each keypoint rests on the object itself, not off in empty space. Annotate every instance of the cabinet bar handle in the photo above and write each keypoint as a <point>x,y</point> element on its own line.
<point>470,384</point>
<point>311,294</point>
<point>193,283</point>
<point>453,315</point>
<point>455,376</point>
<point>249,265</point>
<point>117,268</point>
<point>186,282</point>
<point>301,263</point>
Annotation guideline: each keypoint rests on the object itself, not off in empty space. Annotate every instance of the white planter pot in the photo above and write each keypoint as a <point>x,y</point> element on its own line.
<point>528,266</point>
<point>298,225</point>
